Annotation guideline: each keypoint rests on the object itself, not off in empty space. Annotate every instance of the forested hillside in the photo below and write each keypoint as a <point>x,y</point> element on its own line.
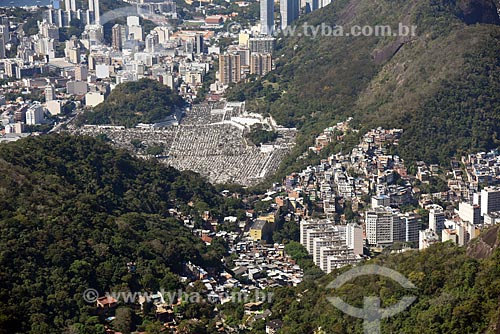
<point>441,86</point>
<point>130,103</point>
<point>73,213</point>
<point>456,293</point>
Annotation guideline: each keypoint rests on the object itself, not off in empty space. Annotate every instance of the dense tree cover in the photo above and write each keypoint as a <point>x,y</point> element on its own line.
<point>443,82</point>
<point>455,294</point>
<point>76,28</point>
<point>143,101</point>
<point>258,135</point>
<point>73,213</point>
<point>299,253</point>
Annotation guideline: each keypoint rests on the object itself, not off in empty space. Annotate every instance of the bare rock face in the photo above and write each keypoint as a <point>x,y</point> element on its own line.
<point>381,56</point>
<point>479,11</point>
<point>485,244</point>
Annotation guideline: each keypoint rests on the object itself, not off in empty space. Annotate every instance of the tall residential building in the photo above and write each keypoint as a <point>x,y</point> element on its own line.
<point>134,29</point>
<point>94,8</point>
<point>50,93</point>
<point>117,33</point>
<point>267,17</point>
<point>163,34</point>
<point>469,212</point>
<point>81,73</point>
<point>383,227</point>
<point>330,245</point>
<point>311,5</point>
<point>151,42</point>
<point>260,63</point>
<point>70,5</point>
<point>34,115</point>
<point>411,226</point>
<point>490,200</point>
<point>199,46</point>
<point>354,238</point>
<point>436,219</point>
<point>261,44</point>
<point>243,52</point>
<point>4,38</point>
<point>289,10</point>
<point>229,68</point>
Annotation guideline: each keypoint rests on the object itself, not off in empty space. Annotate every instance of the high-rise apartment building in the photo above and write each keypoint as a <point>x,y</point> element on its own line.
<point>311,5</point>
<point>469,212</point>
<point>4,38</point>
<point>117,33</point>
<point>436,219</point>
<point>490,200</point>
<point>50,93</point>
<point>81,73</point>
<point>229,68</point>
<point>289,10</point>
<point>382,225</point>
<point>95,9</point>
<point>267,17</point>
<point>70,5</point>
<point>261,44</point>
<point>260,63</point>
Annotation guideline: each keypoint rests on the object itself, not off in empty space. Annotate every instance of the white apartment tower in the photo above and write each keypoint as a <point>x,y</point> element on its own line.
<point>49,93</point>
<point>469,212</point>
<point>354,238</point>
<point>70,5</point>
<point>436,219</point>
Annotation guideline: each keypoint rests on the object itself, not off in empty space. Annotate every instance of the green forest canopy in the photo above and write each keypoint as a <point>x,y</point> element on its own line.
<point>73,212</point>
<point>130,103</point>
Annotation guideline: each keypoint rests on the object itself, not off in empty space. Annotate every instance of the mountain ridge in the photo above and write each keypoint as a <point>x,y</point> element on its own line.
<point>391,81</point>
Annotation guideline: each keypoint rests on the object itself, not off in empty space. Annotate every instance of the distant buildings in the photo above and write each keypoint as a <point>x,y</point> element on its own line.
<point>70,5</point>
<point>62,18</point>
